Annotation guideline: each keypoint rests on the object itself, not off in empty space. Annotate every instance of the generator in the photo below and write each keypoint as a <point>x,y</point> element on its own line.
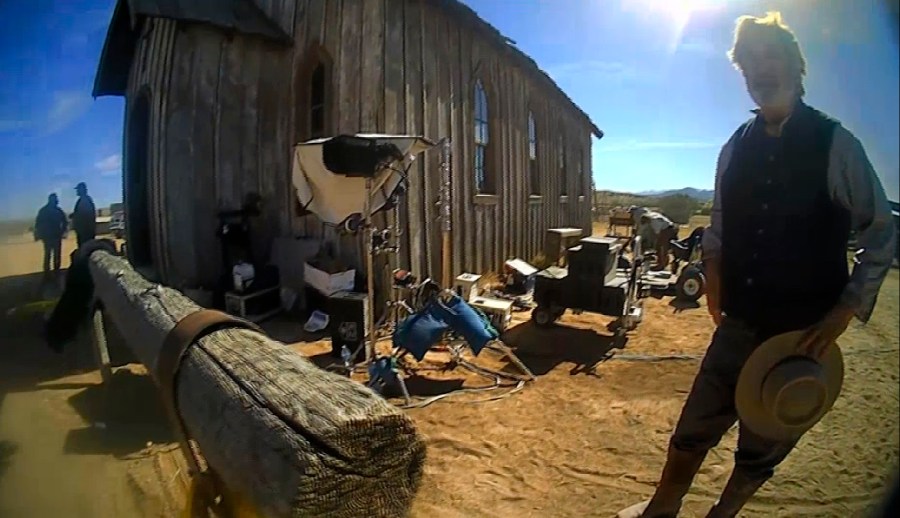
<point>592,282</point>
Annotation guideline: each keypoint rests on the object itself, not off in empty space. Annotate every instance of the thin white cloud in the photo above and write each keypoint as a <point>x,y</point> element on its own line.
<point>109,166</point>
<point>68,106</point>
<point>638,145</point>
<point>607,71</point>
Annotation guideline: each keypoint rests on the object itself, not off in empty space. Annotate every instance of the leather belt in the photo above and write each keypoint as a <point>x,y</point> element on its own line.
<point>187,332</point>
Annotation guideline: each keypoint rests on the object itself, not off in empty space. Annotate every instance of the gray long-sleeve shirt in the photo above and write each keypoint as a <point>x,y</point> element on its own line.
<point>855,186</point>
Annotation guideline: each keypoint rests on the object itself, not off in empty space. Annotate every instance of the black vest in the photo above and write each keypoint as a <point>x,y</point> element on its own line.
<point>784,240</point>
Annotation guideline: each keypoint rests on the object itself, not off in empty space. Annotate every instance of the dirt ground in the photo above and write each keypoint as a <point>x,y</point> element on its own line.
<point>586,439</point>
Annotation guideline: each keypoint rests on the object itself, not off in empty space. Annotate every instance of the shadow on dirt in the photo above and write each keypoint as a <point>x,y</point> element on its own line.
<point>683,305</point>
<point>417,379</point>
<point>288,330</point>
<point>423,386</point>
<point>543,349</point>
<point>125,416</point>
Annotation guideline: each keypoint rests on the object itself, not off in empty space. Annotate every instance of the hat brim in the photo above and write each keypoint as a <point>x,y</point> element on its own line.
<point>769,354</point>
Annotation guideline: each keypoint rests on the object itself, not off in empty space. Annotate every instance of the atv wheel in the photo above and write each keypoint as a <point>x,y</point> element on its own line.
<point>691,284</point>
<point>542,316</point>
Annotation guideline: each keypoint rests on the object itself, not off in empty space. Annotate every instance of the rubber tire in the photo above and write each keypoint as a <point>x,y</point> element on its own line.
<point>691,284</point>
<point>542,316</point>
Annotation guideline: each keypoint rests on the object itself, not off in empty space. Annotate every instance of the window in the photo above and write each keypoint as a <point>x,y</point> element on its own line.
<point>581,178</point>
<point>317,102</point>
<point>312,118</point>
<point>563,187</point>
<point>312,101</point>
<point>482,184</point>
<point>533,179</point>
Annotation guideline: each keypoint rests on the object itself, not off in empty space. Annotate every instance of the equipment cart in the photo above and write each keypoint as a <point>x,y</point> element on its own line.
<point>593,283</point>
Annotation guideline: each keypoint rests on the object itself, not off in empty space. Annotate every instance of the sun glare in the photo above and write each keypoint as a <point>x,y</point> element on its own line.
<point>679,6</point>
<point>677,13</point>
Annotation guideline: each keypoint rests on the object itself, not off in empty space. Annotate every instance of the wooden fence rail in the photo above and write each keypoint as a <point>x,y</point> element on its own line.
<point>289,437</point>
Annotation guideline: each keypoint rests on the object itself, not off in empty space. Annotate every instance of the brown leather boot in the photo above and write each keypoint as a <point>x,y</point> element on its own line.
<point>677,475</point>
<point>739,489</point>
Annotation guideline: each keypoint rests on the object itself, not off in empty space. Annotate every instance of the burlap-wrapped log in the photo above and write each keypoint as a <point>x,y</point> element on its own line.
<point>292,438</point>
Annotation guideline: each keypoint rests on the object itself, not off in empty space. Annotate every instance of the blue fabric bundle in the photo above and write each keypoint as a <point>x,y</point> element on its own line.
<point>418,333</point>
<point>466,321</point>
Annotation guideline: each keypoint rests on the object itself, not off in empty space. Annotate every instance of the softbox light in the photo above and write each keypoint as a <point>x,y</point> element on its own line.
<point>334,197</point>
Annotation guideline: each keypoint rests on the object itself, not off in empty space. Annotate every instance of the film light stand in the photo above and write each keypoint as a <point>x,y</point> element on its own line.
<point>405,297</point>
<point>387,242</point>
<point>382,371</point>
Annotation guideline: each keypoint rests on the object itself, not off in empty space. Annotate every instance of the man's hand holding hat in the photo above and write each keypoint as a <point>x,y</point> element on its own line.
<point>825,332</point>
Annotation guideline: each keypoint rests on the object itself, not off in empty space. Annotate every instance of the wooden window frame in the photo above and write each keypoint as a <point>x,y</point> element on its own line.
<point>482,166</point>
<point>534,177</point>
<point>581,177</point>
<point>316,58</point>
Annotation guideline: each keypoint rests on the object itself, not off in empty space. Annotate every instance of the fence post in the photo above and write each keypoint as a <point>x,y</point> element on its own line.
<point>101,349</point>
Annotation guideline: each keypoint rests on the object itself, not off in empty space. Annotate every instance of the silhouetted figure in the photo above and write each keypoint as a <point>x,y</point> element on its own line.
<point>84,216</point>
<point>50,227</point>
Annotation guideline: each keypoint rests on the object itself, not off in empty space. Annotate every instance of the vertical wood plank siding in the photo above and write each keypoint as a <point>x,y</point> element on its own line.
<point>150,73</point>
<point>223,125</point>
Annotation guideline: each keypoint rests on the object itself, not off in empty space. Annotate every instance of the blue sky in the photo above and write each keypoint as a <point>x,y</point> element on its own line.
<point>651,73</point>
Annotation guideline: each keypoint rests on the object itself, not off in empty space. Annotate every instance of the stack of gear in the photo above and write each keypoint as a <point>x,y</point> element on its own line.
<point>591,283</point>
<point>592,272</point>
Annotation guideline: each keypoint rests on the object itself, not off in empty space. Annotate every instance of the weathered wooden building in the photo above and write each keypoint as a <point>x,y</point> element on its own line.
<point>218,92</point>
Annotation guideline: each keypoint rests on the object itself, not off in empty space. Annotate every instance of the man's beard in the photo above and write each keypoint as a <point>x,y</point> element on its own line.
<point>770,96</point>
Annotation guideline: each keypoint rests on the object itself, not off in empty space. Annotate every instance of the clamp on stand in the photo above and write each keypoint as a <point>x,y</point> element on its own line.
<point>207,493</point>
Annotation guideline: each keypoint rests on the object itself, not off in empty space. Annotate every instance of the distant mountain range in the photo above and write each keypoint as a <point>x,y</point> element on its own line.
<point>697,194</point>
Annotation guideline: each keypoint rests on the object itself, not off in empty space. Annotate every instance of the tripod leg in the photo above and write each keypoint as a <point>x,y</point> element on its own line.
<point>515,359</point>
<point>402,383</point>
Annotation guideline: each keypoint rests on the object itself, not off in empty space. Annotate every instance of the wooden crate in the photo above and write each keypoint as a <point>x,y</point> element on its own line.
<point>241,304</point>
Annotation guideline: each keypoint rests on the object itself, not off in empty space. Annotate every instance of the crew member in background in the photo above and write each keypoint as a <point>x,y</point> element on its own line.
<point>657,230</point>
<point>791,184</point>
<point>50,227</point>
<point>84,216</point>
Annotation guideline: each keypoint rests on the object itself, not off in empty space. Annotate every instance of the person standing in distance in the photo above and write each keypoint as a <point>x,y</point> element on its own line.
<point>50,227</point>
<point>84,216</point>
<point>791,184</point>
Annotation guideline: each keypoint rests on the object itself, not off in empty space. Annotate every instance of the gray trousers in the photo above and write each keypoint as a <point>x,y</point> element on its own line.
<point>710,411</point>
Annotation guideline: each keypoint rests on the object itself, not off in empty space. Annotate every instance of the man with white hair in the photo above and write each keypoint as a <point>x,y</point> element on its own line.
<point>791,184</point>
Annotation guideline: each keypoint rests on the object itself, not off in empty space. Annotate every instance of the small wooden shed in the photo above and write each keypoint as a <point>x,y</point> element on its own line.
<point>217,93</point>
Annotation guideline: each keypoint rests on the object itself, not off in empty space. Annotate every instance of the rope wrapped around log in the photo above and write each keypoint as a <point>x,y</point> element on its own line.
<point>293,439</point>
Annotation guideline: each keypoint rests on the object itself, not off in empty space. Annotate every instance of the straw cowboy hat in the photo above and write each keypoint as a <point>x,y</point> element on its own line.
<point>781,393</point>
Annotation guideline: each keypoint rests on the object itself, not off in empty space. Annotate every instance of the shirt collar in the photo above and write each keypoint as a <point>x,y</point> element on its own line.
<point>798,106</point>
